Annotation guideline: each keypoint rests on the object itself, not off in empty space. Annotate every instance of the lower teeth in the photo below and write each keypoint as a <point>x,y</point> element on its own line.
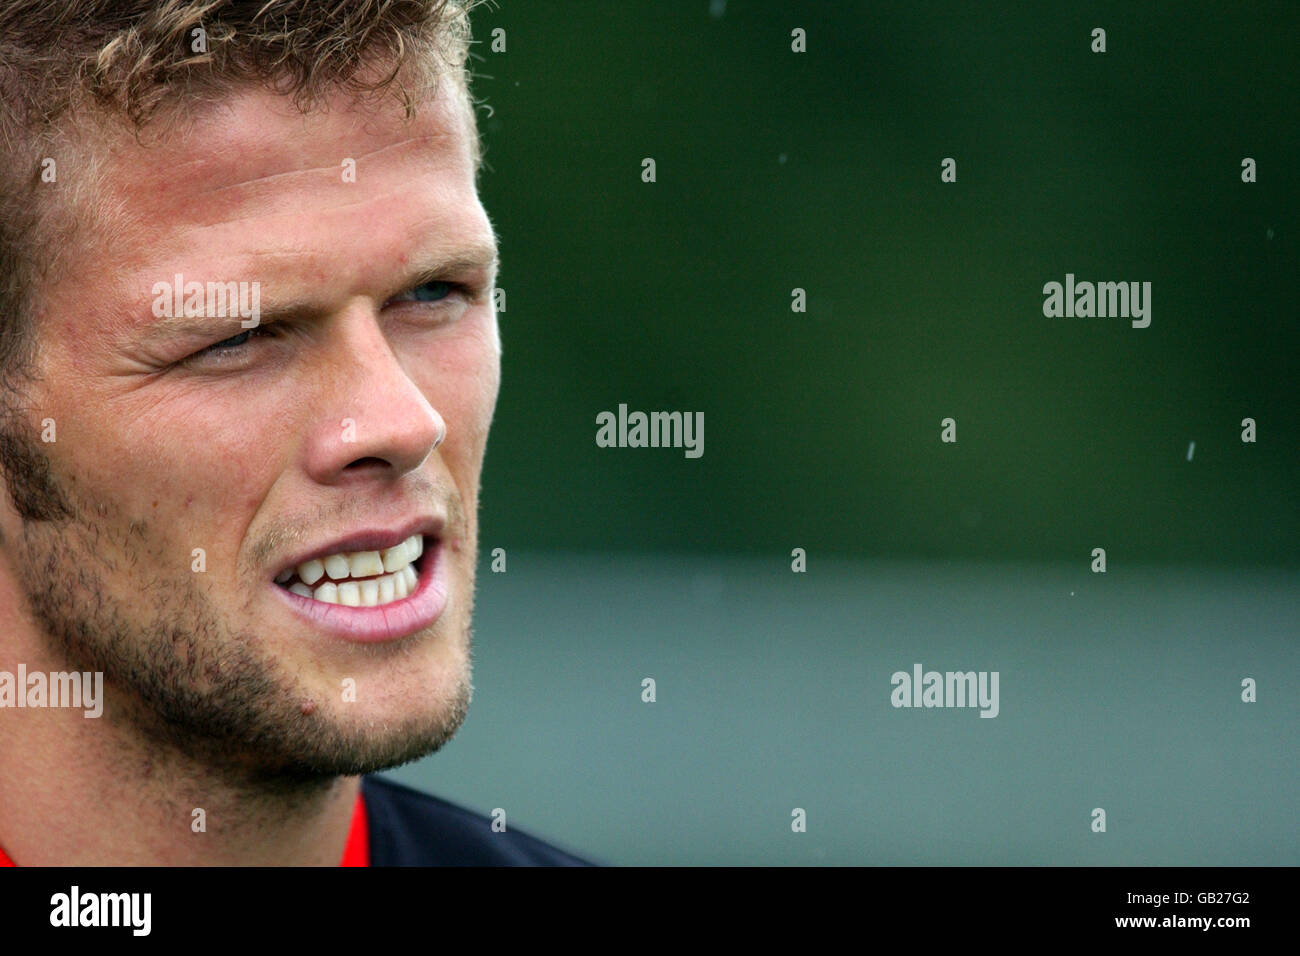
<point>369,592</point>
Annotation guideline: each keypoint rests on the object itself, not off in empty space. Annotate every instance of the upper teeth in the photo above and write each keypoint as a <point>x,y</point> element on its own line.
<point>394,564</point>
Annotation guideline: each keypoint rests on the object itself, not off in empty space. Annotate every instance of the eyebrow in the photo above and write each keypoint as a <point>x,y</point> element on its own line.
<point>481,256</point>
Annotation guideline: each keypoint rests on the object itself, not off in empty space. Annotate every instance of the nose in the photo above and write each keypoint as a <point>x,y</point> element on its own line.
<point>378,422</point>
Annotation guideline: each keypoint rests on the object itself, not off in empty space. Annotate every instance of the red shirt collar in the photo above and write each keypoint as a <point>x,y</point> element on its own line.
<point>355,853</point>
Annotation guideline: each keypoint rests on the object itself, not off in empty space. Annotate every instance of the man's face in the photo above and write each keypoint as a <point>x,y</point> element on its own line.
<point>190,478</point>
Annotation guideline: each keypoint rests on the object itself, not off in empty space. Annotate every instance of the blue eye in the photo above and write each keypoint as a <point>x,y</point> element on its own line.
<point>232,349</point>
<point>233,342</point>
<point>431,291</point>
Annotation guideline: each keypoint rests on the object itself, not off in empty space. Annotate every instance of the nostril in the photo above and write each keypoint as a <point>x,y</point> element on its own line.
<point>368,463</point>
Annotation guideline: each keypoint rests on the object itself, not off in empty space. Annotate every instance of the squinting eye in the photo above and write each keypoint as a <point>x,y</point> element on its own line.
<point>236,341</point>
<point>233,349</point>
<point>428,292</point>
<point>233,342</point>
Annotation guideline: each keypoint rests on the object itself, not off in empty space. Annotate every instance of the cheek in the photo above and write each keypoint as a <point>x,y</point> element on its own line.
<point>195,475</point>
<point>463,388</point>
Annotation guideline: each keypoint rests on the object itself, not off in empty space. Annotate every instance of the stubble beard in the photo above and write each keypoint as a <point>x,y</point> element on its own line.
<point>178,678</point>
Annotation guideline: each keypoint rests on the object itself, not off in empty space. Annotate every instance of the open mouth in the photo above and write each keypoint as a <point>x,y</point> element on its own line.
<point>359,578</point>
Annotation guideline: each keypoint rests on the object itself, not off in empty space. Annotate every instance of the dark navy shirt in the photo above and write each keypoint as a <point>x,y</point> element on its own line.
<point>410,828</point>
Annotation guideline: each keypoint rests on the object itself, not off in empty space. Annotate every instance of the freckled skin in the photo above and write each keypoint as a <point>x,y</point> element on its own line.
<point>208,673</point>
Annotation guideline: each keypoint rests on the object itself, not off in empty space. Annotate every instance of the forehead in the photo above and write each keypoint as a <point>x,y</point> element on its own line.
<point>256,147</point>
<point>251,188</point>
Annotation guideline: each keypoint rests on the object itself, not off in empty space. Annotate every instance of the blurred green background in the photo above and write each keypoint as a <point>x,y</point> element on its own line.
<point>821,171</point>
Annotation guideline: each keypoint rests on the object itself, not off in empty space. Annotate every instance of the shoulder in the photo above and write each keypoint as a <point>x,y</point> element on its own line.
<point>410,828</point>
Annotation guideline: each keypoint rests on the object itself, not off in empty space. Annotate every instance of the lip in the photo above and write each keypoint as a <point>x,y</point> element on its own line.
<point>369,539</point>
<point>388,622</point>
